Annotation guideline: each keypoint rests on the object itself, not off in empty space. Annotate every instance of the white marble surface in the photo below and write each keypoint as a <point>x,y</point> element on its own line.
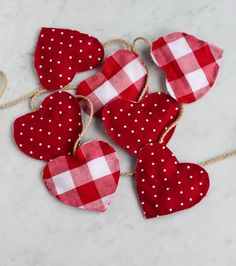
<point>35,229</point>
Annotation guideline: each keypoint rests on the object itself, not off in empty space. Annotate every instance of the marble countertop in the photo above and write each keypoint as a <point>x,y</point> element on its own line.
<point>36,230</point>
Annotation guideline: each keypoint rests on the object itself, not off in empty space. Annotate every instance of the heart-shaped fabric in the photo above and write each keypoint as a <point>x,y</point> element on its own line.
<point>191,65</point>
<point>166,186</point>
<point>133,124</point>
<point>123,75</point>
<point>52,130</point>
<point>86,180</point>
<point>61,53</point>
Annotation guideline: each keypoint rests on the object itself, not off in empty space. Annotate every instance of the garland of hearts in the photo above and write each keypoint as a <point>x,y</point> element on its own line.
<point>86,175</point>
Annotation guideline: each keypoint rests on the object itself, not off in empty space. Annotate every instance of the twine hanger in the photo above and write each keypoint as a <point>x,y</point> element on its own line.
<point>85,128</point>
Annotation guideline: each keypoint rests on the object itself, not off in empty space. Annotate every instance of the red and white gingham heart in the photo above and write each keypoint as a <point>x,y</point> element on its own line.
<point>61,53</point>
<point>123,75</point>
<point>86,180</point>
<point>166,186</point>
<point>191,65</point>
<point>133,124</point>
<point>52,130</point>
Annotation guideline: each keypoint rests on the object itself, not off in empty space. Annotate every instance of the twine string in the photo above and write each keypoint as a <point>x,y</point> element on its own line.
<point>203,164</point>
<point>140,38</point>
<point>218,158</point>
<point>133,48</point>
<point>42,91</point>
<point>4,81</point>
<point>3,88</point>
<point>173,124</point>
<point>121,42</point>
<point>85,128</point>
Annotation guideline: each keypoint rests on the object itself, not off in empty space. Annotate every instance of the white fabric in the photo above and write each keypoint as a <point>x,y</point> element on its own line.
<point>135,70</point>
<point>179,47</point>
<point>197,79</point>
<point>98,168</point>
<point>105,92</point>
<point>63,182</point>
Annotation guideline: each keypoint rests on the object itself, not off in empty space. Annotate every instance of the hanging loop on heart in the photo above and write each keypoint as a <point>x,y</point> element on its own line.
<point>133,44</point>
<point>173,124</point>
<point>85,128</point>
<point>140,38</point>
<point>42,91</point>
<point>121,42</point>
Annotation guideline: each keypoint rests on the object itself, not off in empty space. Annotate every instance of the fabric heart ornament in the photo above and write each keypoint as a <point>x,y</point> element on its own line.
<point>190,64</point>
<point>166,186</point>
<point>123,75</point>
<point>133,124</point>
<point>52,130</point>
<point>61,53</point>
<point>86,180</point>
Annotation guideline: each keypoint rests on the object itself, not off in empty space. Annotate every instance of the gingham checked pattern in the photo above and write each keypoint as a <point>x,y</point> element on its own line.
<point>123,75</point>
<point>191,65</point>
<point>87,180</point>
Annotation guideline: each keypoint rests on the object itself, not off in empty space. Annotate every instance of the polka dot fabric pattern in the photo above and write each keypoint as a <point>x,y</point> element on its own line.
<point>123,75</point>
<point>61,53</point>
<point>166,186</point>
<point>87,180</point>
<point>133,124</point>
<point>191,65</point>
<point>52,130</point>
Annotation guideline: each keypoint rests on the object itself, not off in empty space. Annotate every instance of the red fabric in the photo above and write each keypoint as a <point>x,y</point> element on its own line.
<point>123,75</point>
<point>166,186</point>
<point>191,65</point>
<point>87,180</point>
<point>52,130</point>
<point>61,53</point>
<point>133,124</point>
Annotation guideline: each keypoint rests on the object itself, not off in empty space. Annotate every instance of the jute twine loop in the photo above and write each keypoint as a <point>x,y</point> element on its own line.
<point>121,42</point>
<point>145,89</point>
<point>42,91</point>
<point>140,38</point>
<point>19,100</point>
<point>173,124</point>
<point>3,83</point>
<point>148,74</point>
<point>85,128</point>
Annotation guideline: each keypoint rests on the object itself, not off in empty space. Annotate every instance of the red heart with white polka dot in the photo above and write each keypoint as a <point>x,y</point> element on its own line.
<point>166,186</point>
<point>133,124</point>
<point>61,53</point>
<point>52,130</point>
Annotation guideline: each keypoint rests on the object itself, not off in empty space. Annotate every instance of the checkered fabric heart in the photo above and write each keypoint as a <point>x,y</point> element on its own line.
<point>191,65</point>
<point>123,75</point>
<point>86,180</point>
